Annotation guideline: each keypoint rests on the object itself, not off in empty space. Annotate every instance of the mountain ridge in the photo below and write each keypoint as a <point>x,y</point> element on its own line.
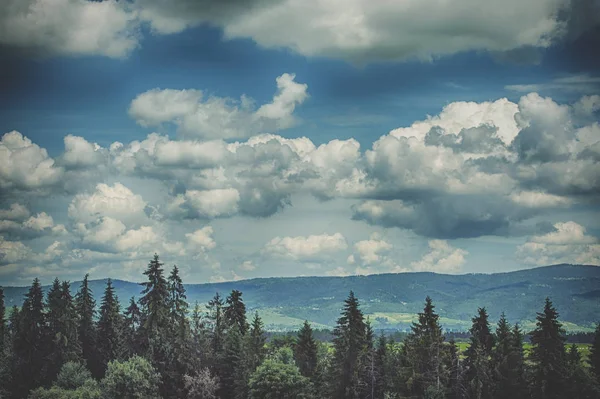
<point>392,300</point>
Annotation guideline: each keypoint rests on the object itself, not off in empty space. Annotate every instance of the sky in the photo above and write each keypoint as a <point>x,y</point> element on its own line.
<point>259,138</point>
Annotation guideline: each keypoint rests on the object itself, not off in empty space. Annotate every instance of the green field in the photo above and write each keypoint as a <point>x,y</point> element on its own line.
<point>584,349</point>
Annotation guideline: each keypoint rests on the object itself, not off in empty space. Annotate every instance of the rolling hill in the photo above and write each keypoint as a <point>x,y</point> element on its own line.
<point>392,300</point>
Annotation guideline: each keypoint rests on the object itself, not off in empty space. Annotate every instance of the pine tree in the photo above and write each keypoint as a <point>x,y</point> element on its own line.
<point>456,389</point>
<point>85,306</point>
<point>156,331</point>
<point>349,344</point>
<point>63,325</point>
<point>30,343</point>
<point>424,353</point>
<point>548,355</point>
<point>256,343</point>
<point>235,312</point>
<point>594,358</point>
<point>110,340</point>
<point>381,375</point>
<point>132,321</point>
<point>305,351</point>
<point>581,384</point>
<point>2,322</point>
<point>155,299</point>
<point>508,362</point>
<point>177,299</point>
<point>234,374</point>
<point>478,375</point>
<point>201,349</point>
<point>217,324</point>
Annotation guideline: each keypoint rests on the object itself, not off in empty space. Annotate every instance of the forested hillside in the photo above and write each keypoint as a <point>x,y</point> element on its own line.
<point>393,300</point>
<point>60,345</point>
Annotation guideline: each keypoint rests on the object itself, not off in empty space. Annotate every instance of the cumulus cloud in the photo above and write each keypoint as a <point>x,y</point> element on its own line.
<point>16,222</point>
<point>80,153</point>
<point>370,251</point>
<point>15,212</point>
<point>305,248</point>
<point>201,239</point>
<point>568,243</point>
<point>363,30</point>
<point>116,201</point>
<point>197,115</point>
<point>441,258</point>
<point>24,165</point>
<point>69,27</point>
<point>206,203</point>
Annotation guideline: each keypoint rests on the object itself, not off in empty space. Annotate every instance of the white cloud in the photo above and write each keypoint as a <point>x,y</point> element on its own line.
<point>116,201</point>
<point>206,203</point>
<point>69,27</point>
<point>569,243</point>
<point>301,247</point>
<point>248,266</point>
<point>13,252</point>
<point>581,83</point>
<point>24,165</point>
<point>363,30</point>
<point>80,153</point>
<point>202,239</point>
<point>370,251</point>
<point>216,117</point>
<point>441,258</point>
<point>39,222</point>
<point>15,212</point>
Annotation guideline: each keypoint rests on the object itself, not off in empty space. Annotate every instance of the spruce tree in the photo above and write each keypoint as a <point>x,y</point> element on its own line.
<point>381,365</point>
<point>478,374</point>
<point>30,344</point>
<point>508,362</point>
<point>2,322</point>
<point>456,388</point>
<point>233,374</point>
<point>63,325</point>
<point>424,353</point>
<point>235,312</point>
<point>132,321</point>
<point>177,300</point>
<point>201,349</point>
<point>110,340</point>
<point>594,359</point>
<point>349,344</point>
<point>581,384</point>
<point>305,351</point>
<point>85,306</point>
<point>217,324</point>
<point>156,330</point>
<point>155,298</point>
<point>548,355</point>
<point>256,343</point>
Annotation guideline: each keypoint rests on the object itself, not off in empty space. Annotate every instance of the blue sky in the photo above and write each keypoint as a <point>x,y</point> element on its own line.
<point>259,139</point>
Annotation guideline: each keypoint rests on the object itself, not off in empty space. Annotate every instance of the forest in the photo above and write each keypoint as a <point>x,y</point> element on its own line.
<point>62,345</point>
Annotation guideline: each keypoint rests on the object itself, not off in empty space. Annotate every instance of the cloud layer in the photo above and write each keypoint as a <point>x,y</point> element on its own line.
<point>496,168</point>
<point>359,31</point>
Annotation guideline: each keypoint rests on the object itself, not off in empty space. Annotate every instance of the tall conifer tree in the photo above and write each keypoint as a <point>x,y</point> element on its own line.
<point>548,355</point>
<point>110,339</point>
<point>85,306</point>
<point>424,353</point>
<point>478,374</point>
<point>349,344</point>
<point>235,312</point>
<point>305,351</point>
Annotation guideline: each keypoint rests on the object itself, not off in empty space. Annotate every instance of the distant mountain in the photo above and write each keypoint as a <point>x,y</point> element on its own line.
<point>392,300</point>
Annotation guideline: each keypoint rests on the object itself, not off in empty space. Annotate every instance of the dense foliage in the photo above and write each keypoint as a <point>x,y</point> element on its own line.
<point>60,346</point>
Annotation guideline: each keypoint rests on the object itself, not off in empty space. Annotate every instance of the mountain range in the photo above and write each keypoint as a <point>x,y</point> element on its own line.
<point>392,301</point>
